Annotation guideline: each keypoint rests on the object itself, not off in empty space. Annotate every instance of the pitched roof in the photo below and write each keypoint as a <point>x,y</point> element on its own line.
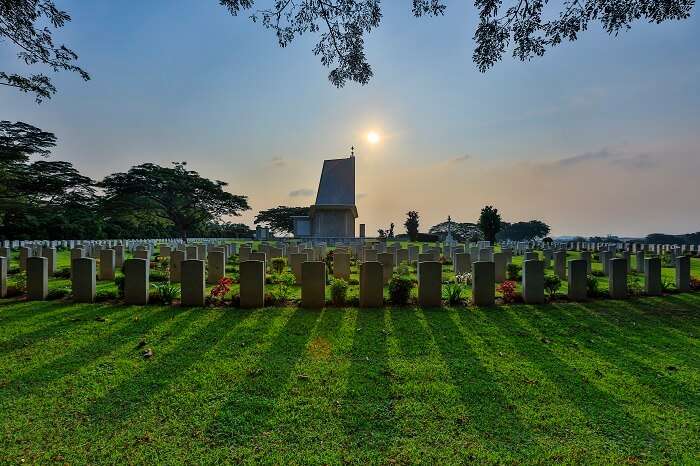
<point>337,185</point>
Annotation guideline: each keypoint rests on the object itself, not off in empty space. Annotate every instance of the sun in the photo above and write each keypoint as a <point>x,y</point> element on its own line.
<point>373,137</point>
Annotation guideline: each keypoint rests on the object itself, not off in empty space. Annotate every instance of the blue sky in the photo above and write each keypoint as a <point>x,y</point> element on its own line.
<point>599,136</point>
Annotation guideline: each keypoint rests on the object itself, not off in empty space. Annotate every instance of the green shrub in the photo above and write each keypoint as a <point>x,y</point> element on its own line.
<point>21,282</point>
<point>513,271</point>
<point>164,293</point>
<point>552,283</point>
<point>453,293</point>
<point>634,285</point>
<point>119,283</point>
<point>400,289</point>
<point>278,264</point>
<point>285,283</point>
<point>13,270</point>
<point>339,291</point>
<point>158,276</point>
<point>597,273</point>
<point>353,281</point>
<point>57,293</point>
<point>592,287</point>
<point>667,286</point>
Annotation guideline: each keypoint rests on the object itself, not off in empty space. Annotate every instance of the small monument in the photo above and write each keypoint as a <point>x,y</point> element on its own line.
<point>334,213</point>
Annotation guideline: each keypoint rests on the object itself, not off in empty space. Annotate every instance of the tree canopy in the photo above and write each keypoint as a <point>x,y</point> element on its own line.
<point>461,231</point>
<point>527,27</point>
<point>523,231</point>
<point>412,224</point>
<point>279,219</point>
<point>28,25</point>
<point>489,223</point>
<point>176,195</point>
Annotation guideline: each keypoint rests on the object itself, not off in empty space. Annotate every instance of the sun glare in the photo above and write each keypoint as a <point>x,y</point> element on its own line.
<point>373,137</point>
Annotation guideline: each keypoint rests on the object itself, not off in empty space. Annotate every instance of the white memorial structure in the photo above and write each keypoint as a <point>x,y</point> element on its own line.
<point>334,213</point>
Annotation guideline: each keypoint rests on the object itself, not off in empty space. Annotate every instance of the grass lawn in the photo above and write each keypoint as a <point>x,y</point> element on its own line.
<point>599,382</point>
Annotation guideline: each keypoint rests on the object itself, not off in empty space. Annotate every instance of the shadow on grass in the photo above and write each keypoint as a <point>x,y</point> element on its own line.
<point>157,374</point>
<point>492,416</point>
<point>367,410</point>
<point>628,349</point>
<point>604,411</point>
<point>67,318</point>
<point>100,342</point>
<point>251,404</point>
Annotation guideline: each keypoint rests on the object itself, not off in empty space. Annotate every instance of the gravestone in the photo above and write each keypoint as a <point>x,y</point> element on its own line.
<point>387,261</point>
<point>617,280</point>
<point>577,284</point>
<point>142,254</point>
<point>296,260</point>
<point>313,286</point>
<point>252,278</point>
<point>118,256</point>
<point>683,273</point>
<point>244,253</point>
<point>24,254</point>
<point>371,255</point>
<point>192,253</point>
<point>192,288</point>
<point>3,275</point>
<point>533,282</point>
<point>107,264</point>
<point>177,256</point>
<point>341,265</point>
<point>652,276</point>
<point>500,262</point>
<point>430,284</point>
<point>37,278</point>
<point>216,266</point>
<point>83,280</point>
<point>560,264</point>
<point>50,254</point>
<point>463,263</point>
<point>531,256</point>
<point>586,256</point>
<point>483,283</point>
<point>136,281</point>
<point>371,289</point>
<point>639,259</point>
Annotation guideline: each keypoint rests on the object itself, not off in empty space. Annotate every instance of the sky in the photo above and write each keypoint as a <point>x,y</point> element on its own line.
<point>600,136</point>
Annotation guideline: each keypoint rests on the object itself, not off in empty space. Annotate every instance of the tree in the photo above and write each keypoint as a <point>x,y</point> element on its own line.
<point>27,24</point>
<point>490,223</point>
<point>177,195</point>
<point>390,233</point>
<point>524,231</point>
<point>279,219</point>
<point>527,26</point>
<point>49,199</point>
<point>412,224</point>
<point>461,231</point>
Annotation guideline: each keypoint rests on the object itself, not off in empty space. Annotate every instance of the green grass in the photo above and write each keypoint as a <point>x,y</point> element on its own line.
<point>600,382</point>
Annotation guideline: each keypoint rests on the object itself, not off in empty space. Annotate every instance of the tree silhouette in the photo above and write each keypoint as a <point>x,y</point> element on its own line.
<point>176,194</point>
<point>412,224</point>
<point>21,24</point>
<point>524,25</point>
<point>490,223</point>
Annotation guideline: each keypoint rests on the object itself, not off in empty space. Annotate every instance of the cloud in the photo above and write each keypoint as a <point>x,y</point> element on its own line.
<point>303,192</point>
<point>639,162</point>
<point>277,162</point>
<point>602,154</point>
<point>460,159</point>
